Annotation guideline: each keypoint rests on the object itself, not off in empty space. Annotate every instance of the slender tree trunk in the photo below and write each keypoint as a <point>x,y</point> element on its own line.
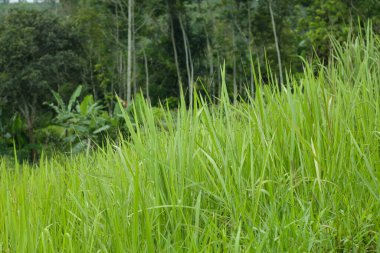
<point>134,60</point>
<point>189,63</point>
<point>130,50</point>
<point>135,70</point>
<point>175,53</point>
<point>119,56</point>
<point>110,103</point>
<point>211,64</point>
<point>29,114</point>
<point>277,45</point>
<point>234,60</point>
<point>134,76</point>
<point>146,77</point>
<point>33,155</point>
<point>250,48</point>
<point>92,77</point>
<point>219,78</point>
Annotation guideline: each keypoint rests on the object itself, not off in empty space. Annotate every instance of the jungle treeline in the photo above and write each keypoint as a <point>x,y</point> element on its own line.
<point>68,69</point>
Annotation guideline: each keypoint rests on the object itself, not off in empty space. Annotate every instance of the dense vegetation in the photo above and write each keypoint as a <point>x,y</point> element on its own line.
<point>290,171</point>
<point>119,48</point>
<point>190,126</point>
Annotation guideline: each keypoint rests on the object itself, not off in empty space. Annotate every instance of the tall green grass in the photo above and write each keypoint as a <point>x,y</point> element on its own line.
<point>290,171</point>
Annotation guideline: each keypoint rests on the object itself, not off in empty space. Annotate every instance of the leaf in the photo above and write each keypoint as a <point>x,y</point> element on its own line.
<point>74,97</point>
<point>59,100</point>
<point>86,103</point>
<point>79,147</point>
<point>103,128</point>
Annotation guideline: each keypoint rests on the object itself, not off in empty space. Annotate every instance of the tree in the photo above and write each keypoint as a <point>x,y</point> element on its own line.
<point>324,18</point>
<point>131,31</point>
<point>276,42</point>
<point>43,56</point>
<point>97,28</point>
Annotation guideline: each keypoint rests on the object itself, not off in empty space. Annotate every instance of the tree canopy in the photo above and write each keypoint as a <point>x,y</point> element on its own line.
<point>120,48</point>
<point>38,54</point>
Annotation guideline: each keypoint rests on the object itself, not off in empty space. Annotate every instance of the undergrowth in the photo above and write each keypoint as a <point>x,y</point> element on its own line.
<point>290,171</point>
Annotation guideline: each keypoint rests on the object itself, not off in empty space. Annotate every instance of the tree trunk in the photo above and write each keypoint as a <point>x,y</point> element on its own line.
<point>33,154</point>
<point>119,57</point>
<point>189,63</point>
<point>130,50</point>
<point>211,64</point>
<point>29,114</point>
<point>234,62</point>
<point>276,42</point>
<point>92,76</point>
<point>175,52</point>
<point>135,65</point>
<point>250,48</point>
<point>146,77</point>
<point>219,78</point>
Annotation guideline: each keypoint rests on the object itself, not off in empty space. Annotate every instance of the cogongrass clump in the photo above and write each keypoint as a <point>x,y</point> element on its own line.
<point>290,171</point>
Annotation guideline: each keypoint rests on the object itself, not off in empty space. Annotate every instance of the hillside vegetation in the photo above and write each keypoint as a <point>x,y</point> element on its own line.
<point>295,170</point>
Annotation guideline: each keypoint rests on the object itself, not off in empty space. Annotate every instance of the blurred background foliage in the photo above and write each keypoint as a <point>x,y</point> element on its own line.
<point>67,69</point>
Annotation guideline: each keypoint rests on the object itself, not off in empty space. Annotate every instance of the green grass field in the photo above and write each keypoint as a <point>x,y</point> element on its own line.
<point>284,172</point>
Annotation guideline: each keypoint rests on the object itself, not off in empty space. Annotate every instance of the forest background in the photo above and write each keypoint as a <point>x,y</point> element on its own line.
<point>67,69</point>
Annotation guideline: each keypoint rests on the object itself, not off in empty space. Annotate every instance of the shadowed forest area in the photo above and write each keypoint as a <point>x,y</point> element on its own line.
<point>154,49</point>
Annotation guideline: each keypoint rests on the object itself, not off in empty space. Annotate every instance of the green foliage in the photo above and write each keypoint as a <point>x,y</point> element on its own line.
<point>290,171</point>
<point>84,123</point>
<point>38,53</point>
<point>323,19</point>
<point>96,27</point>
<point>11,132</point>
<point>86,42</point>
<point>14,137</point>
<point>43,55</point>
